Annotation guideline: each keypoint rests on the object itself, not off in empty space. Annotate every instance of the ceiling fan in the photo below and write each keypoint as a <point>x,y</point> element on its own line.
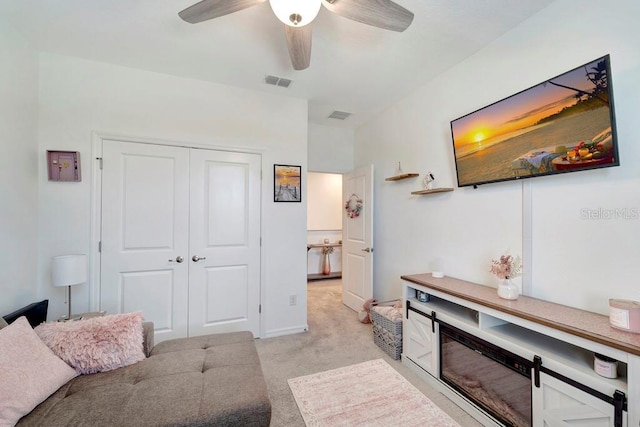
<point>297,16</point>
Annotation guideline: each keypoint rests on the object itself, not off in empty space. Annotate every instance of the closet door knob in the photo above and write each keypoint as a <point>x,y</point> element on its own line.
<point>197,258</point>
<point>178,259</point>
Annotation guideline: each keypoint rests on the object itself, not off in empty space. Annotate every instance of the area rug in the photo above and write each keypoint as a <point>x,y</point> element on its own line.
<point>366,394</point>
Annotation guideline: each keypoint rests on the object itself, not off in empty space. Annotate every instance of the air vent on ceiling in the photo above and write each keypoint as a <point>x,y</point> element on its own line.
<point>277,81</point>
<point>339,115</point>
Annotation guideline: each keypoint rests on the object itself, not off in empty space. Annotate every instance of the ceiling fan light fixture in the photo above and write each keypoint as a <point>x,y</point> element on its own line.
<point>296,13</point>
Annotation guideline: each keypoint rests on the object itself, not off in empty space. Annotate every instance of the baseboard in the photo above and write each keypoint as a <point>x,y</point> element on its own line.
<point>286,331</point>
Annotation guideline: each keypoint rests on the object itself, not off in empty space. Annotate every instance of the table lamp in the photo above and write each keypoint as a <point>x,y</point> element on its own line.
<point>69,270</point>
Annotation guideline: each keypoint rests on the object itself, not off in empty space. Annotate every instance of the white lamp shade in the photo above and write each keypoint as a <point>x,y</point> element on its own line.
<point>68,270</point>
<point>306,9</point>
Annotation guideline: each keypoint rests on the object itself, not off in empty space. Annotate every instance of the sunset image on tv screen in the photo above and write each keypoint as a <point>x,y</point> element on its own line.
<point>561,125</point>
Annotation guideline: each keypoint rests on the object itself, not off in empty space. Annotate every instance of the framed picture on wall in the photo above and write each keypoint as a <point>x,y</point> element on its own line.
<point>287,183</point>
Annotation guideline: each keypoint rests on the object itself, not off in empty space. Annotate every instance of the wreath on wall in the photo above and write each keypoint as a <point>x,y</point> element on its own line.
<point>353,206</point>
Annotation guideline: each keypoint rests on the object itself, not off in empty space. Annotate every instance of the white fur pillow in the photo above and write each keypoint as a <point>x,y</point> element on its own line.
<point>97,344</point>
<point>29,371</point>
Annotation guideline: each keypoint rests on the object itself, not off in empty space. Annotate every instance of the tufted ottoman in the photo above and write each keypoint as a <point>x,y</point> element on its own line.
<point>212,380</point>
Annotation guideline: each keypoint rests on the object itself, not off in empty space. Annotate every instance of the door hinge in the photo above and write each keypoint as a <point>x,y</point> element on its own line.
<point>100,160</point>
<point>259,308</point>
<point>100,246</point>
<point>260,241</point>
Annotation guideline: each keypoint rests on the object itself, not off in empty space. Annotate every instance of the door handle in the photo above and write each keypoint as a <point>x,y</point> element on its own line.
<point>197,258</point>
<point>178,259</point>
<point>367,250</point>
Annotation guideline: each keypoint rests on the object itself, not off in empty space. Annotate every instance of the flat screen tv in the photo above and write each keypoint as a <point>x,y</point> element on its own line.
<point>564,124</point>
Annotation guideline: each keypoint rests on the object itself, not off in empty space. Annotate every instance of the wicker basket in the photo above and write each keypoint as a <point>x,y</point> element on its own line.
<point>387,334</point>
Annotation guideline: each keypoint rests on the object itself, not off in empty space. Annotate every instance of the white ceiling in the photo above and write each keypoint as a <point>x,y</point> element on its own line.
<point>354,67</point>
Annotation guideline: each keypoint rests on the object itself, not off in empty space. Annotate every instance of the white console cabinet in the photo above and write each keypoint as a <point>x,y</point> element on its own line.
<point>559,341</point>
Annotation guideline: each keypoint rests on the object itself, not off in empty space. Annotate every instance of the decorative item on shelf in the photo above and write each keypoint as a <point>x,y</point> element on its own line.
<point>353,206</point>
<point>399,169</point>
<point>428,181</point>
<point>437,268</point>
<point>423,296</point>
<point>506,268</point>
<point>326,262</point>
<point>624,314</point>
<point>605,366</point>
<point>508,290</point>
<point>399,174</point>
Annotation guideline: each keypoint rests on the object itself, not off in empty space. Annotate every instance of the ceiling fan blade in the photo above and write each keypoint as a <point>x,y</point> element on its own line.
<point>299,44</point>
<point>378,13</point>
<point>209,9</point>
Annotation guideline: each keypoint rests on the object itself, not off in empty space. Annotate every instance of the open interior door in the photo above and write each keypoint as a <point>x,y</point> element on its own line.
<point>357,237</point>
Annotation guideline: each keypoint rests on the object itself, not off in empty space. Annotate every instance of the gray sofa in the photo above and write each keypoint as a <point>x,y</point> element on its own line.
<point>212,380</point>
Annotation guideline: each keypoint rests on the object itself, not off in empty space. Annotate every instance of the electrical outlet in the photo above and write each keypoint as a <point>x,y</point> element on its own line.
<point>293,299</point>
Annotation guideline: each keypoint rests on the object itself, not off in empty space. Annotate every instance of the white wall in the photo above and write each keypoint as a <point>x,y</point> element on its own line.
<point>324,218</point>
<point>18,171</point>
<point>79,97</point>
<point>330,148</point>
<point>576,262</point>
<point>324,205</point>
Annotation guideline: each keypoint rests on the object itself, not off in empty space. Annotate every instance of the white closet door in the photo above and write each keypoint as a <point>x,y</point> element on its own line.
<point>224,256</point>
<point>145,223</point>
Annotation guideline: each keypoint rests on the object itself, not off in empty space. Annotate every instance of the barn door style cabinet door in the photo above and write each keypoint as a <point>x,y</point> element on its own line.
<point>420,339</point>
<point>556,403</point>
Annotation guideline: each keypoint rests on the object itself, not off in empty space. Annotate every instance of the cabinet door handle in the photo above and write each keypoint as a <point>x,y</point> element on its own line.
<point>618,407</point>
<point>537,365</point>
<point>433,322</point>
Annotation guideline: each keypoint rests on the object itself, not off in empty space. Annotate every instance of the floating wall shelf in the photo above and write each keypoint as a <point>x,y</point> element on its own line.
<point>402,176</point>
<point>433,190</point>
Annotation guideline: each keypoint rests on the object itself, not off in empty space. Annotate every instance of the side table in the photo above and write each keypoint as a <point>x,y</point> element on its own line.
<point>83,316</point>
<point>327,248</point>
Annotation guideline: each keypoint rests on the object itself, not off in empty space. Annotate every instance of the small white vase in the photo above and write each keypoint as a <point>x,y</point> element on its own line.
<point>508,290</point>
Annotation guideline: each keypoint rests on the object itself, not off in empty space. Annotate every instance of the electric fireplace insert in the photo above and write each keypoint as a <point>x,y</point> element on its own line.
<point>493,378</point>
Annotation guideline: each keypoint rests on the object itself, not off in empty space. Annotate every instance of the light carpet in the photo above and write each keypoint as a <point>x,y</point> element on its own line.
<point>365,394</point>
